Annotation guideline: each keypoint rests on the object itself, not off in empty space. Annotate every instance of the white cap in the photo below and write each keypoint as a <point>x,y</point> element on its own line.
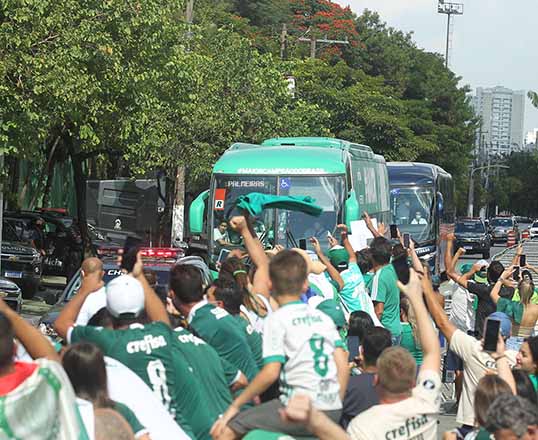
<point>482,263</point>
<point>124,295</point>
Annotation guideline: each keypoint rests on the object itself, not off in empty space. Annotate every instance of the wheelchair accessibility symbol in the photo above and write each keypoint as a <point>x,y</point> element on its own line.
<point>285,183</point>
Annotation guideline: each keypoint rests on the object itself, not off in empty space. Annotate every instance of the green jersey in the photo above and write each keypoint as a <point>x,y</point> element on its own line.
<point>219,329</point>
<point>385,290</point>
<point>254,339</point>
<point>146,350</point>
<point>210,370</point>
<point>408,342</point>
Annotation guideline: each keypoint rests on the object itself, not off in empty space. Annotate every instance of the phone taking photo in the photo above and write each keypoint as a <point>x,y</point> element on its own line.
<point>130,251</point>
<point>302,244</point>
<point>515,273</point>
<point>491,334</point>
<point>401,267</point>
<point>393,231</point>
<point>522,260</point>
<point>406,238</point>
<point>223,255</point>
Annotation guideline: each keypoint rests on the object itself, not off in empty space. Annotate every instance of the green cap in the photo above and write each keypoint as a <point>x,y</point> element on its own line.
<point>334,311</point>
<point>465,268</point>
<point>339,257</point>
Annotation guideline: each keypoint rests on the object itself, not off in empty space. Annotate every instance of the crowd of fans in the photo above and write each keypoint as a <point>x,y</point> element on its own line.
<point>295,344</point>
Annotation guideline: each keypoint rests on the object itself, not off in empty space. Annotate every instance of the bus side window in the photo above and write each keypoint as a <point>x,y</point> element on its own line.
<point>349,178</point>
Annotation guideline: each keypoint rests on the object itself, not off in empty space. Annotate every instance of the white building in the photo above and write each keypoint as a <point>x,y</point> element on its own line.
<point>502,112</point>
<point>530,138</point>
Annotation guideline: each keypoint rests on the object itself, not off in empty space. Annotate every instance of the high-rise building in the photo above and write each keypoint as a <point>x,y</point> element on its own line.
<point>502,112</point>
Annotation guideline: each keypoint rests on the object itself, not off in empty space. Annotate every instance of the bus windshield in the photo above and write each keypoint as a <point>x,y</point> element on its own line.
<point>411,210</point>
<point>277,226</point>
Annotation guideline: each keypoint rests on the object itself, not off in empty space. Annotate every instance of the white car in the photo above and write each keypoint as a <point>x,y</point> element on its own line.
<point>533,230</point>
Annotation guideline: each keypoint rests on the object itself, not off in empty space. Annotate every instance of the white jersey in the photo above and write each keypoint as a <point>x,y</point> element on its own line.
<point>303,340</point>
<point>92,304</point>
<point>463,313</point>
<point>255,320</point>
<point>412,419</point>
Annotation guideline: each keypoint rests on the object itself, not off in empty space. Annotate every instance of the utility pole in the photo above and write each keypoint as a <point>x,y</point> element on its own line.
<point>449,9</point>
<point>178,210</point>
<point>470,200</point>
<point>314,43</point>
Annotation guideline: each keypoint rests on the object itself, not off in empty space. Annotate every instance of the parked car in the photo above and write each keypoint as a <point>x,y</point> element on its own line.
<point>533,230</point>
<point>501,226</point>
<point>11,294</point>
<point>473,236</point>
<point>62,242</point>
<point>21,263</point>
<point>523,223</point>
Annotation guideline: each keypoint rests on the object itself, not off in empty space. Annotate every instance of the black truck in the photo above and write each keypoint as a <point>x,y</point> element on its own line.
<point>21,263</point>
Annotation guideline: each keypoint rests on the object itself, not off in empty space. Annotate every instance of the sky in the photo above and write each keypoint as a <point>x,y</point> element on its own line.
<point>494,42</point>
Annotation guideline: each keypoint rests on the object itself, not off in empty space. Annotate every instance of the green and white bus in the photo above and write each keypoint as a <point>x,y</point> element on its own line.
<point>344,178</point>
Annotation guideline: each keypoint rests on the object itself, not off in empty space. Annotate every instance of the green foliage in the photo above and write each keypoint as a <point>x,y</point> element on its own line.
<point>129,83</point>
<point>515,188</point>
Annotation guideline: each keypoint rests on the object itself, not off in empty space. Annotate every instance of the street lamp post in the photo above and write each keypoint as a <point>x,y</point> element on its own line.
<point>449,9</point>
<point>470,200</point>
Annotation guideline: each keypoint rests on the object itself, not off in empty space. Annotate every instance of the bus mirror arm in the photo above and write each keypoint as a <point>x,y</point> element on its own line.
<point>352,211</point>
<point>196,213</point>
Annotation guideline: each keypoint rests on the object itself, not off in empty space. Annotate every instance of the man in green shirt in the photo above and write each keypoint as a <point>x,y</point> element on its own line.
<point>228,296</point>
<point>384,288</point>
<point>210,323</point>
<point>147,349</point>
<point>217,376</point>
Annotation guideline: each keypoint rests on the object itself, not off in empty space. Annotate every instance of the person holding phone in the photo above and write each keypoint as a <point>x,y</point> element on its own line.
<point>522,311</point>
<point>476,362</point>
<point>384,289</point>
<point>353,294</point>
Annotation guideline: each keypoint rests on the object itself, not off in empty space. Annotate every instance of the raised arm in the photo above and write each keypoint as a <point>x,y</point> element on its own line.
<point>300,410</point>
<point>503,367</point>
<point>428,339</point>
<point>416,263</point>
<point>68,316</point>
<point>260,283</point>
<point>495,292</point>
<point>347,244</point>
<point>370,225</point>
<point>331,270</point>
<point>436,311</point>
<point>37,345</point>
<point>155,309</point>
<point>519,252</point>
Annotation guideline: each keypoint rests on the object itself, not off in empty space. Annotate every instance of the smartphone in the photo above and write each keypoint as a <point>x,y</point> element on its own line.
<point>130,250</point>
<point>491,334</point>
<point>223,255</point>
<point>302,244</point>
<point>522,260</point>
<point>515,273</point>
<point>401,267</point>
<point>406,240</point>
<point>393,231</point>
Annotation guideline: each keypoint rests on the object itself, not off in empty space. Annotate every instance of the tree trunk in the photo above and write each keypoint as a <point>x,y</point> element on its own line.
<point>13,181</point>
<point>49,166</point>
<point>80,194</point>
